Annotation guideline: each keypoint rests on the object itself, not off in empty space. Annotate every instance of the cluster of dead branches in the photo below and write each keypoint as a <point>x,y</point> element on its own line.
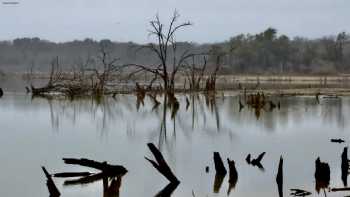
<point>98,76</point>
<point>91,77</point>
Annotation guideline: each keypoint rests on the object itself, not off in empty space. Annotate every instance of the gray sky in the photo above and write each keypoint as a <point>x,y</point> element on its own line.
<point>127,20</point>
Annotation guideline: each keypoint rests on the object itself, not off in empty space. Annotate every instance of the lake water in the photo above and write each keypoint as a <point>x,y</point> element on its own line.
<point>40,132</point>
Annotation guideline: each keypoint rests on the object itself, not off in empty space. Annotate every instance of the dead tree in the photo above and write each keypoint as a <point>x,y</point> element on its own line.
<point>105,70</point>
<point>165,46</point>
<point>161,165</point>
<point>194,74</point>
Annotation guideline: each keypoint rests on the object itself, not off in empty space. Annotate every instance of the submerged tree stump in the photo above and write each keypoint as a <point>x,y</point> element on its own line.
<point>219,164</point>
<point>233,175</point>
<point>279,178</point>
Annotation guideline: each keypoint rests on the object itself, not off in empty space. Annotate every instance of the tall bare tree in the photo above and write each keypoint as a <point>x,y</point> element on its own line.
<point>165,48</point>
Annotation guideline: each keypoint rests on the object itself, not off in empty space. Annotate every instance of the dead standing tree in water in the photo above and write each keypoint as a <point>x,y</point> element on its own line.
<point>104,72</point>
<point>166,51</point>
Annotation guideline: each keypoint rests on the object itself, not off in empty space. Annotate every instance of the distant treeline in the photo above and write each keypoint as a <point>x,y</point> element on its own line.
<point>266,52</point>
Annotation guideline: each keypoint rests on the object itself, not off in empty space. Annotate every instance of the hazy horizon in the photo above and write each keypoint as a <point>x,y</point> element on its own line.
<point>125,21</point>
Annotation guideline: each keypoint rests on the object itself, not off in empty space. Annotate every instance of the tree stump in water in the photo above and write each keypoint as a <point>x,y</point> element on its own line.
<point>219,165</point>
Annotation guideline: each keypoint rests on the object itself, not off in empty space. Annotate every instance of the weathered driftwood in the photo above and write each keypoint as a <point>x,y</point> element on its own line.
<point>54,192</point>
<point>279,178</point>
<point>71,174</point>
<point>161,165</point>
<point>219,164</point>
<point>233,175</point>
<point>103,166</point>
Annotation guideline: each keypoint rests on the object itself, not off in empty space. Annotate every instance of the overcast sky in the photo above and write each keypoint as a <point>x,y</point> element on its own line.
<point>127,20</point>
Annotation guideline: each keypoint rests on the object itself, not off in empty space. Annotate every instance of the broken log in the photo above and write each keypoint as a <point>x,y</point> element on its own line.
<point>161,165</point>
<point>279,178</point>
<point>219,165</point>
<point>54,192</point>
<point>103,166</point>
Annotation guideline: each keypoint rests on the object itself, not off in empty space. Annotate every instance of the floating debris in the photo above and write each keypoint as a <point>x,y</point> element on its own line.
<point>299,192</point>
<point>337,141</point>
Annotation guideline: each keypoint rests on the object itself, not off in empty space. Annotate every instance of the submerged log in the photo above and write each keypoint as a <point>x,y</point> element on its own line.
<point>299,192</point>
<point>161,165</point>
<point>219,165</point>
<point>337,141</point>
<point>103,166</point>
<point>279,178</point>
<point>90,179</point>
<point>54,192</point>
<point>71,174</point>
<point>340,189</point>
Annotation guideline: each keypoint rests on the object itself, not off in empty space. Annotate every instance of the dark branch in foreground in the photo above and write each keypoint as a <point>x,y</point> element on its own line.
<point>50,184</point>
<point>161,165</point>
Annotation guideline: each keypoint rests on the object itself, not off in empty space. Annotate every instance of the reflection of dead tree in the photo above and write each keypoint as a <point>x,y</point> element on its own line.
<point>165,46</point>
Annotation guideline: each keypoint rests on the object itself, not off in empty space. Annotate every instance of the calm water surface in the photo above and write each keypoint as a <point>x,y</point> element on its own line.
<point>41,132</point>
